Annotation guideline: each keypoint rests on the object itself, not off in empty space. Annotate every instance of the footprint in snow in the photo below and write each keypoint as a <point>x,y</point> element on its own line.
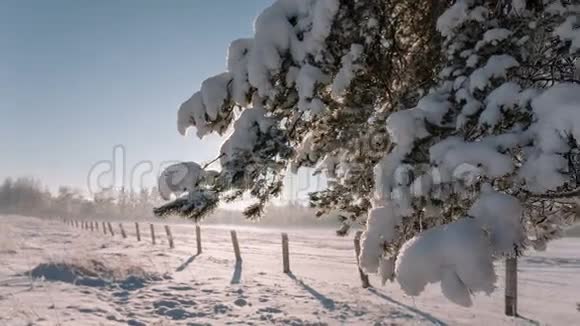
<point>165,303</point>
<point>270,310</point>
<point>180,288</point>
<point>221,309</point>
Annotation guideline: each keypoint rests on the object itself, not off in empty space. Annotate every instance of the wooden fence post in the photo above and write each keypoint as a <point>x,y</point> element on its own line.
<point>285,253</point>
<point>169,237</point>
<point>111,229</point>
<point>236,246</point>
<point>97,226</point>
<point>198,238</point>
<point>511,286</point>
<point>92,226</point>
<point>104,228</point>
<point>152,233</point>
<point>123,233</point>
<point>363,277</point>
<point>138,232</point>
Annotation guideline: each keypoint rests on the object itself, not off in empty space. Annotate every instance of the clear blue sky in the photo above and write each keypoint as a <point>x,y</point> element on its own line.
<point>78,77</point>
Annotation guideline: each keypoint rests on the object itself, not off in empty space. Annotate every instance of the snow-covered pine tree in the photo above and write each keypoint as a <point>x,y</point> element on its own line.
<point>486,162</point>
<point>312,88</point>
<point>453,124</point>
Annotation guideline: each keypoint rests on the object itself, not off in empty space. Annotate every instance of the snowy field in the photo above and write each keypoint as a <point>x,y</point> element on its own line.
<point>53,274</point>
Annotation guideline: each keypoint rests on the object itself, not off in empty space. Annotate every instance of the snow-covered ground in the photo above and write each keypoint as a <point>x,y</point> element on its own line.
<point>53,274</point>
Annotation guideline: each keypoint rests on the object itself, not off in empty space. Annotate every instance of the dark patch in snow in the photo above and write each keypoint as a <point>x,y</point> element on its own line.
<point>134,322</point>
<point>270,310</point>
<point>165,303</point>
<point>97,275</point>
<point>221,309</point>
<point>180,288</point>
<point>58,272</point>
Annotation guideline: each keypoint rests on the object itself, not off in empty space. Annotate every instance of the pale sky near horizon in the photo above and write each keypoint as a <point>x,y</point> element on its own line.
<point>78,77</point>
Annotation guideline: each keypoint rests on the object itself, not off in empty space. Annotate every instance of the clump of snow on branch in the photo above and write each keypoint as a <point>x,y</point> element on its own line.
<point>496,67</point>
<point>460,255</point>
<point>348,70</point>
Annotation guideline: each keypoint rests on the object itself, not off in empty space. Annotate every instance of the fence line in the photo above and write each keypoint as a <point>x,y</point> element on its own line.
<point>169,236</point>
<point>123,234</point>
<point>285,254</point>
<point>511,288</point>
<point>137,231</point>
<point>152,227</point>
<point>198,238</point>
<point>111,229</point>
<point>236,245</point>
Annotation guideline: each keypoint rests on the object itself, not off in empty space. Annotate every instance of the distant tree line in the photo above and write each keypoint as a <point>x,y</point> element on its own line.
<point>28,197</point>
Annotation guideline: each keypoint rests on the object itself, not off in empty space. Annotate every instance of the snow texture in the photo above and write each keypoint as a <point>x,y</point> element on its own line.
<point>558,118</point>
<point>179,178</point>
<point>502,98</point>
<point>460,255</point>
<point>496,67</point>
<point>458,14</point>
<point>141,284</point>
<point>451,153</point>
<point>245,133</point>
